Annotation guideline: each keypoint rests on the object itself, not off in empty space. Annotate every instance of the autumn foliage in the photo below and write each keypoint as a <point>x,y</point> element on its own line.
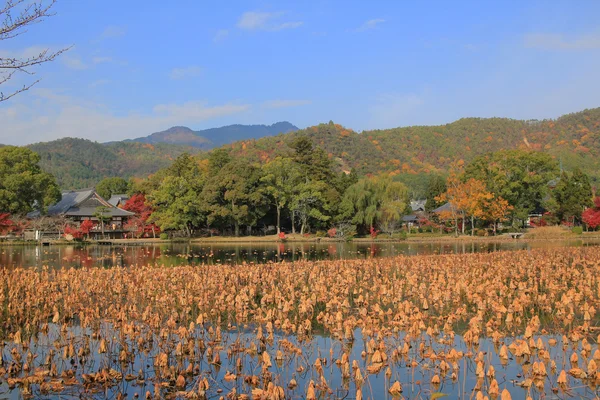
<point>73,231</point>
<point>139,224</point>
<point>9,224</point>
<point>471,199</point>
<point>591,216</point>
<point>6,223</point>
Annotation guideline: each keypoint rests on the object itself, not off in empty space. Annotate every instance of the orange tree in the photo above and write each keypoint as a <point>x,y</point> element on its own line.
<point>471,198</point>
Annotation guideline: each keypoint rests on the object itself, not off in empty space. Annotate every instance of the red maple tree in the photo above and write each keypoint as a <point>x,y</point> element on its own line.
<point>6,223</point>
<point>74,232</point>
<point>139,224</point>
<point>591,216</point>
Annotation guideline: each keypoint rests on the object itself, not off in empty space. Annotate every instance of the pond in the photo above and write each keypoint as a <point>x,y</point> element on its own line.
<point>482,322</point>
<point>170,254</point>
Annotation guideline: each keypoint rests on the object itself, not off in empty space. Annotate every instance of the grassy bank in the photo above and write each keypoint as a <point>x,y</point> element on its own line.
<point>538,234</point>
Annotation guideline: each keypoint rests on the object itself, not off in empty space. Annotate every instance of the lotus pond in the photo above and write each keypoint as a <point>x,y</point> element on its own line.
<point>488,324</point>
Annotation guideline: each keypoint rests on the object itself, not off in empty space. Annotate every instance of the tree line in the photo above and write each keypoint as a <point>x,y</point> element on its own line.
<point>303,191</point>
<point>515,188</point>
<point>300,191</point>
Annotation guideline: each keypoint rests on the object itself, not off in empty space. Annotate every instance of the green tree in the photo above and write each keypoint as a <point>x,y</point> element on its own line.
<point>109,186</point>
<point>313,161</point>
<point>318,196</point>
<point>435,187</point>
<point>234,196</point>
<point>376,201</point>
<point>178,205</point>
<point>310,204</point>
<point>572,195</point>
<point>176,197</point>
<point>24,187</point>
<point>280,179</point>
<point>520,177</point>
<point>217,159</point>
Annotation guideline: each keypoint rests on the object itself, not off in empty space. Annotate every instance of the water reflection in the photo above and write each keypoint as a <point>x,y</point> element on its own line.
<point>241,344</point>
<point>170,254</point>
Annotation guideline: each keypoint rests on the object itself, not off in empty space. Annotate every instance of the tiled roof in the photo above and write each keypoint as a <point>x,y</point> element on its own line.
<point>90,211</point>
<point>116,198</point>
<point>73,204</point>
<point>70,199</point>
<point>445,207</point>
<point>418,205</point>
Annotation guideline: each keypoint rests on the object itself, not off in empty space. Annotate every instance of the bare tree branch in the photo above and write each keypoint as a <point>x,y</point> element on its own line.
<point>16,16</point>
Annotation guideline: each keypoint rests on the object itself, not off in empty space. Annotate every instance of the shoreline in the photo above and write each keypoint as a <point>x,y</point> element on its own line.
<point>273,239</point>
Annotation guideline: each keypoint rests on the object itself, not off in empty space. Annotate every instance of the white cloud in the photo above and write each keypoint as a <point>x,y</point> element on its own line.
<point>255,20</point>
<point>221,35</point>
<point>113,31</point>
<point>73,63</point>
<point>554,41</point>
<point>370,24</point>
<point>51,115</point>
<point>186,72</point>
<point>284,103</point>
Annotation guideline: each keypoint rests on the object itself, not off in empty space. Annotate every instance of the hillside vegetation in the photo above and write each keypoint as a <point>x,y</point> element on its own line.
<point>573,140</point>
<point>79,163</point>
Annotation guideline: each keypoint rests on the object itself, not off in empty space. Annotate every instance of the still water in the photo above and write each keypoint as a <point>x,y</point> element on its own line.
<point>170,254</point>
<point>240,348</point>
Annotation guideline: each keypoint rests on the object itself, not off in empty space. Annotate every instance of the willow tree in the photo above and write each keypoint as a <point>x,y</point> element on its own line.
<point>375,202</point>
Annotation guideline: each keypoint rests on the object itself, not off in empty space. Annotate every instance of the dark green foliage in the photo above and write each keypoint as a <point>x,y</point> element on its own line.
<point>218,159</point>
<point>235,197</point>
<point>79,163</point>
<point>109,186</point>
<point>24,186</point>
<point>572,195</point>
<point>435,187</point>
<point>175,196</point>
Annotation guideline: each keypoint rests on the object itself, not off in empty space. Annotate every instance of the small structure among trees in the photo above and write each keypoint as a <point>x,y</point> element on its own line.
<point>79,207</point>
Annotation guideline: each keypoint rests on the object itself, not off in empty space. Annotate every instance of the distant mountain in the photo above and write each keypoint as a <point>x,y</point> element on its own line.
<point>80,163</point>
<point>209,138</point>
<point>176,135</point>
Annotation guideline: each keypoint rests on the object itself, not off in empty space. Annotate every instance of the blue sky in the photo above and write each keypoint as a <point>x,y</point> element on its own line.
<point>138,67</point>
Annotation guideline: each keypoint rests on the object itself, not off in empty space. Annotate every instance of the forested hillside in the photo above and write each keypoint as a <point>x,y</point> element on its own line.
<point>79,163</point>
<point>408,153</point>
<point>574,140</point>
